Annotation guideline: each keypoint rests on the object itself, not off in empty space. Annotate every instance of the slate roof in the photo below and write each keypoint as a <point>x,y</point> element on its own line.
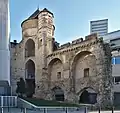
<point>36,13</point>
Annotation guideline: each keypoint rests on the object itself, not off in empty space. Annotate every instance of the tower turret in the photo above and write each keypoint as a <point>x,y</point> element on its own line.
<point>46,33</point>
<point>46,29</point>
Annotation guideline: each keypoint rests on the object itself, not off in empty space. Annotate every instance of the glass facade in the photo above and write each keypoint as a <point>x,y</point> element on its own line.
<point>116,60</point>
<point>99,26</point>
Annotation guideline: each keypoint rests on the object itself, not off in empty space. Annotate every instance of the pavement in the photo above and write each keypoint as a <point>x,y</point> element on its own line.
<point>105,112</point>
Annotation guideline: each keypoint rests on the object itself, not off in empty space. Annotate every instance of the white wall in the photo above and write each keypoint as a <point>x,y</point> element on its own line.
<point>4,41</point>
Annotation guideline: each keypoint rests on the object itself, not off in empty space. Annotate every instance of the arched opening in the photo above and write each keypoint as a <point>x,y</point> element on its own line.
<point>88,96</point>
<point>30,69</point>
<point>29,48</point>
<point>58,94</point>
<point>84,65</point>
<point>30,77</point>
<point>55,70</point>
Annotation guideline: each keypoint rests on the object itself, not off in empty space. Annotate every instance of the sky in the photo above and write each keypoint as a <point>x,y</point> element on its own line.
<point>71,17</point>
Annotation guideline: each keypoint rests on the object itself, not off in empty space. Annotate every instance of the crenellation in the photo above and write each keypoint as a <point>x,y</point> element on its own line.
<point>91,37</point>
<point>74,42</point>
<point>65,45</point>
<point>83,45</point>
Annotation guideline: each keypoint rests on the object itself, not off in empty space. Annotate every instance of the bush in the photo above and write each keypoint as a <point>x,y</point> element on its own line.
<point>20,87</point>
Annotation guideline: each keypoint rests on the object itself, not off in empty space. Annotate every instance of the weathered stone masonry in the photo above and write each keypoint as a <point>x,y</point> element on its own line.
<point>72,67</point>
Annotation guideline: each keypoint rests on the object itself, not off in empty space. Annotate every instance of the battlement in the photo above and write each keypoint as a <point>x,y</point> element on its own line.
<point>80,41</point>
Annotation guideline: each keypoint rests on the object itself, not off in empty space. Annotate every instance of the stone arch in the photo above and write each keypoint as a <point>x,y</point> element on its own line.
<point>58,94</point>
<point>30,77</point>
<point>29,48</point>
<point>83,65</point>
<point>88,96</point>
<point>55,69</point>
<point>30,69</point>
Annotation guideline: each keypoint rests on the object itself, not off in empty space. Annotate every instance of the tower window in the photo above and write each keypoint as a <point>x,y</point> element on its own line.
<point>86,72</point>
<point>58,75</point>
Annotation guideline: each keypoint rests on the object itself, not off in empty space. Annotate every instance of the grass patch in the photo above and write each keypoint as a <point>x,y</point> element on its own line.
<point>50,103</point>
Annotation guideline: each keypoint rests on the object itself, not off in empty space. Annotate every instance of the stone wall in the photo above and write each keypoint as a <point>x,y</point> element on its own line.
<point>17,66</point>
<point>64,67</point>
<point>94,57</point>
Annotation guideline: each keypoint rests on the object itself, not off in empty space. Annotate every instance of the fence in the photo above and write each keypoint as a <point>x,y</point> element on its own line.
<point>8,101</point>
<point>42,110</point>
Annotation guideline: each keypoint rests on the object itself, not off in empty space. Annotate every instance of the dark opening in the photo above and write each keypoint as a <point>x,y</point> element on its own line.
<point>58,94</point>
<point>84,98</point>
<point>59,97</point>
<point>88,97</point>
<point>30,78</point>
<point>58,75</point>
<point>86,72</point>
<point>30,48</point>
<point>30,87</point>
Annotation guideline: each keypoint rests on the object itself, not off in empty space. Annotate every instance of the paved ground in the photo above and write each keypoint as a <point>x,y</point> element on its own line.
<point>105,112</point>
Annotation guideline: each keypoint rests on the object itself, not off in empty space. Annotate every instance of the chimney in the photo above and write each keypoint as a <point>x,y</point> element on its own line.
<point>15,41</point>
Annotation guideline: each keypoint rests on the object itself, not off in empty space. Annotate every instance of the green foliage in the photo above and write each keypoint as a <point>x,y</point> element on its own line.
<point>20,87</point>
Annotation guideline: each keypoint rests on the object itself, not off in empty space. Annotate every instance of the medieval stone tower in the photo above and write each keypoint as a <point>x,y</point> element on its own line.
<point>77,72</point>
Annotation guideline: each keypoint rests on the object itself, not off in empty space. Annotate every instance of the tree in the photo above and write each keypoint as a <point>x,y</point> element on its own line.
<point>21,87</point>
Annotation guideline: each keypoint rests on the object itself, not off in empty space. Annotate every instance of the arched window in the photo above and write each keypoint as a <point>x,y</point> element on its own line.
<point>55,69</point>
<point>29,48</point>
<point>30,78</point>
<point>84,65</point>
<point>30,69</point>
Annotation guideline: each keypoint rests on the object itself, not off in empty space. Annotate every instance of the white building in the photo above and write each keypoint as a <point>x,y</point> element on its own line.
<point>114,39</point>
<point>4,43</point>
<point>99,26</point>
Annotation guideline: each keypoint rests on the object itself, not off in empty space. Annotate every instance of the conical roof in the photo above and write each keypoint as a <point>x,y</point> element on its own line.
<point>34,15</point>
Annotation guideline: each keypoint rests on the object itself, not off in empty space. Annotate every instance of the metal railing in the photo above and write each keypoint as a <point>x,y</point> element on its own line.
<point>27,106</point>
<point>8,101</point>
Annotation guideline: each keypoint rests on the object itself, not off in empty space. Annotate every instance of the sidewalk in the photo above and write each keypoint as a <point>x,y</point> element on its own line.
<point>105,112</point>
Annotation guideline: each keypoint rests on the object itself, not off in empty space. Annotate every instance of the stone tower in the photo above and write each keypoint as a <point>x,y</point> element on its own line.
<point>45,34</point>
<point>45,44</point>
<point>37,43</point>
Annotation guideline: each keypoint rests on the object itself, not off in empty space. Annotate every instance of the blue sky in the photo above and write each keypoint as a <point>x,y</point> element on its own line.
<point>71,17</point>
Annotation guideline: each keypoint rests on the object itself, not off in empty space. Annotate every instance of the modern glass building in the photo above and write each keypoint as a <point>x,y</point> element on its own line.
<point>113,38</point>
<point>99,26</point>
